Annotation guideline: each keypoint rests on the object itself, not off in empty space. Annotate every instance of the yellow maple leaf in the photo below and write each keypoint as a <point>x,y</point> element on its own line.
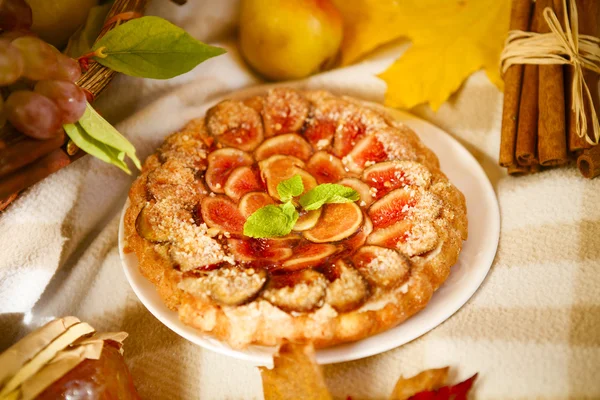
<point>451,40</point>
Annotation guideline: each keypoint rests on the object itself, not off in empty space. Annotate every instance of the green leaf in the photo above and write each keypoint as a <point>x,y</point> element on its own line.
<point>290,211</point>
<point>290,188</point>
<point>269,221</point>
<point>151,47</point>
<point>101,130</point>
<point>94,147</point>
<point>327,193</point>
<point>82,40</point>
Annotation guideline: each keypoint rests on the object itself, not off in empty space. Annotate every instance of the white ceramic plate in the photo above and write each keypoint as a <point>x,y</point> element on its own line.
<point>473,264</point>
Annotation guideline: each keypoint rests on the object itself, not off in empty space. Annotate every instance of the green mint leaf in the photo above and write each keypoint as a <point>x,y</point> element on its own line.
<point>151,47</point>
<point>327,193</point>
<point>290,188</point>
<point>290,211</point>
<point>83,39</point>
<point>94,147</point>
<point>269,221</point>
<point>102,131</point>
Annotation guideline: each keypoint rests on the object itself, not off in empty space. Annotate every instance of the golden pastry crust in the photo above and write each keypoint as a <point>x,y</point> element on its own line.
<point>189,204</point>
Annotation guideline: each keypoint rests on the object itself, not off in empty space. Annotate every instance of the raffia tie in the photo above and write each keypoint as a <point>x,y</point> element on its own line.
<point>560,46</point>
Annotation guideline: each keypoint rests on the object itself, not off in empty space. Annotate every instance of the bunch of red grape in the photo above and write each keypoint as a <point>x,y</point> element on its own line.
<point>38,94</point>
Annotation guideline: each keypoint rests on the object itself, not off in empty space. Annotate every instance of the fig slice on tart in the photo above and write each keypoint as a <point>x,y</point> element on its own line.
<point>289,144</point>
<point>221,164</point>
<point>243,180</point>
<point>309,255</point>
<point>300,291</point>
<point>369,150</point>
<point>284,111</point>
<point>363,190</point>
<point>337,222</point>
<point>221,213</point>
<point>230,286</point>
<point>389,175</point>
<point>267,250</point>
<point>250,202</point>
<point>348,290</point>
<point>236,125</point>
<point>307,220</point>
<point>326,168</point>
<point>381,266</point>
<point>278,168</point>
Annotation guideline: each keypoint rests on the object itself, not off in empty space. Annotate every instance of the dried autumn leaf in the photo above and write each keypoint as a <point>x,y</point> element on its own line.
<point>460,391</point>
<point>428,380</point>
<point>451,40</point>
<point>295,375</point>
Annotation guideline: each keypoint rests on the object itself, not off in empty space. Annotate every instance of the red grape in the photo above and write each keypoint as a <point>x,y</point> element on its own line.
<point>69,98</point>
<point>15,14</point>
<point>68,68</point>
<point>33,114</point>
<point>41,59</point>
<point>11,63</point>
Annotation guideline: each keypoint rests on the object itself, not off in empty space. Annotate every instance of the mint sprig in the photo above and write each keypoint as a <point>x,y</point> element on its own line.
<point>328,193</point>
<point>275,221</point>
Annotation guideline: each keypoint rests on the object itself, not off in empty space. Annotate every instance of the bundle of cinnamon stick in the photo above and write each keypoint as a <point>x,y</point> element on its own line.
<point>538,125</point>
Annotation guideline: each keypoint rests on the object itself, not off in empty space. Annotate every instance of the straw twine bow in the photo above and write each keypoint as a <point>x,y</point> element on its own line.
<point>560,46</point>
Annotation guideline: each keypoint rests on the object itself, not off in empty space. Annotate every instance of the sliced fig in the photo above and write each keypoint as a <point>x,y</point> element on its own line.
<point>307,220</point>
<point>231,286</point>
<point>348,133</point>
<point>278,168</point>
<point>299,291</point>
<point>408,238</point>
<point>252,201</point>
<point>348,291</point>
<point>391,235</point>
<point>150,223</point>
<point>284,111</point>
<point>382,266</point>
<point>220,165</point>
<point>393,207</point>
<point>400,204</point>
<point>309,255</point>
<point>325,167</point>
<point>289,144</point>
<point>366,152</point>
<point>198,251</point>
<point>235,124</point>
<point>337,222</point>
<point>319,132</point>
<point>221,213</point>
<point>172,180</point>
<point>390,175</point>
<point>250,249</point>
<point>242,180</point>
<point>362,188</point>
<point>360,237</point>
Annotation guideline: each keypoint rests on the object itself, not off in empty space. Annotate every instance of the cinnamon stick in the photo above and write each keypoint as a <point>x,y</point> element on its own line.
<point>552,137</point>
<point>519,20</point>
<point>527,128</point>
<point>518,170</point>
<point>587,12</point>
<point>34,173</point>
<point>589,162</point>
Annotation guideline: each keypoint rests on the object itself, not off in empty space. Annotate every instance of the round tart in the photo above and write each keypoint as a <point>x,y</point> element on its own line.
<point>345,272</point>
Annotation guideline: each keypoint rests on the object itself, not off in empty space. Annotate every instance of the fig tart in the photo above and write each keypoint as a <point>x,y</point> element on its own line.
<point>346,271</point>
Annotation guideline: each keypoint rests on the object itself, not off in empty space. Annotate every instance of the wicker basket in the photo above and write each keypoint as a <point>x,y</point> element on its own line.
<point>19,154</point>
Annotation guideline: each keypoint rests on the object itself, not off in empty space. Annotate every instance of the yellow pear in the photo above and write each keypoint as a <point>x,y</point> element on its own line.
<point>285,39</point>
<point>56,20</point>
